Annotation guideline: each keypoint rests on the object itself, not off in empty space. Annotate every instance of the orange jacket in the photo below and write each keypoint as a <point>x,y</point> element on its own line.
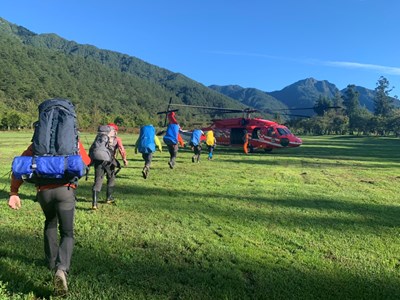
<point>16,183</point>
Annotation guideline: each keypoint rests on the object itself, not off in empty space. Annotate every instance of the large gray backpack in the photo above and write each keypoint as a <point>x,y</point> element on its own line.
<point>104,144</point>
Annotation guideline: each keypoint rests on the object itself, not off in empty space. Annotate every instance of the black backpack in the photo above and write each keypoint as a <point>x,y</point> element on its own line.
<point>55,141</point>
<point>56,131</point>
<point>103,146</point>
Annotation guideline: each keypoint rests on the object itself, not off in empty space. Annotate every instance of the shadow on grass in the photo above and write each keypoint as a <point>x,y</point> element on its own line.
<point>367,215</point>
<point>137,269</point>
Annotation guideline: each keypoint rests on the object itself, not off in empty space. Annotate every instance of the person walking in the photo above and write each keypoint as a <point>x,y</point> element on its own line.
<point>109,167</point>
<point>146,144</point>
<point>211,143</point>
<point>195,143</point>
<point>172,138</point>
<point>56,197</point>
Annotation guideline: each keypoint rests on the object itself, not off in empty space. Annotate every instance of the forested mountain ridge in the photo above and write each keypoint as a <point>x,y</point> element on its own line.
<point>107,85</point>
<point>250,97</point>
<point>103,84</point>
<point>303,93</point>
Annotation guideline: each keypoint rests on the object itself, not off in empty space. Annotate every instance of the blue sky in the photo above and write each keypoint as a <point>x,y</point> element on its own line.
<point>254,43</point>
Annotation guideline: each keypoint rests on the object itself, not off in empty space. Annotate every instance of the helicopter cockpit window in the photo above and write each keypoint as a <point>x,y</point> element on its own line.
<point>283,131</point>
<point>255,133</point>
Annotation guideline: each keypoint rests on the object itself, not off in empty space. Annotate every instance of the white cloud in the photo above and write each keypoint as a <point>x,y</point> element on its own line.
<point>355,65</point>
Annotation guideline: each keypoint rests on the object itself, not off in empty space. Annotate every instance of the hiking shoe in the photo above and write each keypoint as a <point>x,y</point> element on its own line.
<point>60,283</point>
<point>145,173</point>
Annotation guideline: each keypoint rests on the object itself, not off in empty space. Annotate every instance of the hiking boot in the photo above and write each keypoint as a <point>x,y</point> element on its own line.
<point>94,199</point>
<point>145,173</point>
<point>110,199</point>
<point>60,283</point>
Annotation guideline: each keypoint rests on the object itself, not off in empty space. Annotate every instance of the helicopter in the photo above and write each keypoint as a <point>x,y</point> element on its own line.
<point>255,133</point>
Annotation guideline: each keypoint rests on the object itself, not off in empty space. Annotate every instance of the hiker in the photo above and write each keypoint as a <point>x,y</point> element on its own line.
<point>146,144</point>
<point>56,196</point>
<point>211,143</point>
<point>195,143</point>
<point>245,142</point>
<point>172,138</point>
<point>103,153</point>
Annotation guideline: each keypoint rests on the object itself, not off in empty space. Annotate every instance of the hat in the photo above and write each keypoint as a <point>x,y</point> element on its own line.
<point>113,126</point>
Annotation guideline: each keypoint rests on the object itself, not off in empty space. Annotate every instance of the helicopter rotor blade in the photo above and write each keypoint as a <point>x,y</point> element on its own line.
<point>305,108</point>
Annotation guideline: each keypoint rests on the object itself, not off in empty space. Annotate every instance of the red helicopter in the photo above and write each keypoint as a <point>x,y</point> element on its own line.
<point>255,133</point>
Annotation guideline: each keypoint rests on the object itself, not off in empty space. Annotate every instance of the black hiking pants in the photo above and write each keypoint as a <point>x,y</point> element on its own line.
<point>197,153</point>
<point>147,157</point>
<point>58,205</point>
<point>102,168</point>
<point>173,152</point>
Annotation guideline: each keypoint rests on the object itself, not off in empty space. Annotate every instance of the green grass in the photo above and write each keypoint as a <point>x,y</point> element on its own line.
<point>318,222</point>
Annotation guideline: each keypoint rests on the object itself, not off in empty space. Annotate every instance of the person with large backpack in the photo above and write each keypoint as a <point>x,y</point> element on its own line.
<point>146,144</point>
<point>103,152</point>
<point>195,143</point>
<point>171,139</point>
<point>53,162</point>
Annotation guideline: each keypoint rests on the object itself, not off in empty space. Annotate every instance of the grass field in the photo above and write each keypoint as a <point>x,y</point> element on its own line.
<point>318,222</point>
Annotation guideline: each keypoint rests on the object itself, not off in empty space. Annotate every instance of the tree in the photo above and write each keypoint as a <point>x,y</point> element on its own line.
<point>383,102</point>
<point>322,105</point>
<point>352,104</point>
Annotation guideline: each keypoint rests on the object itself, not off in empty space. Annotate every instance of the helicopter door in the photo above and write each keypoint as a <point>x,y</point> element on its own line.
<point>255,133</point>
<point>238,136</point>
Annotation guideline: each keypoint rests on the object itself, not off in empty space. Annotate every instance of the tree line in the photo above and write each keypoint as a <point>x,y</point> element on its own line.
<point>343,114</point>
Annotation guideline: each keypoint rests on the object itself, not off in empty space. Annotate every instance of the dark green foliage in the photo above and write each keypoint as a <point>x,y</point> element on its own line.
<point>383,102</point>
<point>102,84</point>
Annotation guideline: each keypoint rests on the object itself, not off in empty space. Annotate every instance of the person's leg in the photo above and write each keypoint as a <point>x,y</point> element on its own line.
<point>172,149</point>
<point>98,182</point>
<point>174,154</point>
<point>111,175</point>
<point>198,152</point>
<point>147,163</point>
<point>65,205</point>
<point>210,152</point>
<point>50,227</point>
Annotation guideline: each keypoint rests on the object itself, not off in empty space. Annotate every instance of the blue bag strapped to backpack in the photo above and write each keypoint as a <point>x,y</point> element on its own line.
<point>57,167</point>
<point>171,136</point>
<point>146,139</point>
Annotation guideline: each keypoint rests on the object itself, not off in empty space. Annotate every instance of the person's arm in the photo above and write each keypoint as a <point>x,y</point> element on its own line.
<point>136,146</point>
<point>158,143</point>
<point>122,151</point>
<point>14,201</point>
<point>180,140</point>
<point>82,152</point>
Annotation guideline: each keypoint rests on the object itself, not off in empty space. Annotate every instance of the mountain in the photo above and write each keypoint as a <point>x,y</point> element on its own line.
<point>250,97</point>
<point>103,84</point>
<point>305,93</point>
<point>301,94</point>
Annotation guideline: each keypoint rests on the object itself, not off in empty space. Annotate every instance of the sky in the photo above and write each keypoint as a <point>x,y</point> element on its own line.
<point>263,44</point>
